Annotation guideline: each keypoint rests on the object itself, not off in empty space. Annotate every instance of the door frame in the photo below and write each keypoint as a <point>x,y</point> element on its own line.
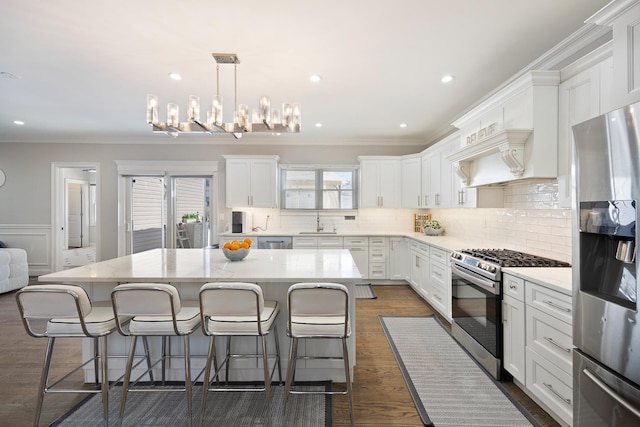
<point>58,207</point>
<point>84,203</point>
<point>166,168</point>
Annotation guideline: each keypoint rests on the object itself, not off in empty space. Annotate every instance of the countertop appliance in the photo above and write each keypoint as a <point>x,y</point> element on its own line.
<point>606,360</point>
<point>240,222</point>
<point>476,278</point>
<point>275,242</point>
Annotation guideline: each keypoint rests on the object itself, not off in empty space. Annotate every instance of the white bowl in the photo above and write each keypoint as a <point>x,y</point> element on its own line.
<point>237,255</point>
<point>433,231</point>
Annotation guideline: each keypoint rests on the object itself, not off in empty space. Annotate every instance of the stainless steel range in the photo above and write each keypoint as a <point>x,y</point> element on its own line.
<point>476,307</point>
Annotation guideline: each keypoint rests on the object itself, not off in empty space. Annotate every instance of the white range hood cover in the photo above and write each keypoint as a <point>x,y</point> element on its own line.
<point>510,143</point>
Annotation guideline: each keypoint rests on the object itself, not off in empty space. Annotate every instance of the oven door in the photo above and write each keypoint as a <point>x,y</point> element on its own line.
<point>476,309</point>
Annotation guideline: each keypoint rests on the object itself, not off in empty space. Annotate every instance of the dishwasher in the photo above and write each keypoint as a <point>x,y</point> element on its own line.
<point>276,242</point>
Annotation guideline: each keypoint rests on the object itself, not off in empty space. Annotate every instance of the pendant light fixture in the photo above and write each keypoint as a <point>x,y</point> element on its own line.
<point>264,119</point>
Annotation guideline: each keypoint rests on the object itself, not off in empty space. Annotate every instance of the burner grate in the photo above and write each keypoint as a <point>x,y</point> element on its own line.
<point>510,258</point>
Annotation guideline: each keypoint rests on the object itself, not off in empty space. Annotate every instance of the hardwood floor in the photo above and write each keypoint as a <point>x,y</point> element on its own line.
<point>380,395</point>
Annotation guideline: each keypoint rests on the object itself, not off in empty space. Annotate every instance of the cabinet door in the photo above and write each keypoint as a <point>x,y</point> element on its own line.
<point>435,196</point>
<point>305,242</point>
<point>513,319</point>
<point>415,269</point>
<point>411,183</point>
<point>626,33</point>
<point>425,277</point>
<point>369,191</point>
<point>579,100</point>
<point>238,185</point>
<point>398,258</point>
<point>264,183</point>
<point>389,183</point>
<point>427,198</point>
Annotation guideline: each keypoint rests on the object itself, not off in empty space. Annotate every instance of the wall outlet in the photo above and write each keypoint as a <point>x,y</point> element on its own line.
<point>221,217</point>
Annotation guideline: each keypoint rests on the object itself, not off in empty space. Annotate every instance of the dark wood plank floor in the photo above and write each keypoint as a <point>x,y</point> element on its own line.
<point>380,393</point>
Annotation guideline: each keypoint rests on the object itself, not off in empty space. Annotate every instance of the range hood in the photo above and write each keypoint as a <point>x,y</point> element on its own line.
<point>509,144</point>
<point>512,135</point>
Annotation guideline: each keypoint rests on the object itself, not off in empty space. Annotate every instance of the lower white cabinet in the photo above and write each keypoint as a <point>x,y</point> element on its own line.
<point>537,343</point>
<point>359,248</point>
<point>378,257</point>
<point>398,258</point>
<point>440,281</point>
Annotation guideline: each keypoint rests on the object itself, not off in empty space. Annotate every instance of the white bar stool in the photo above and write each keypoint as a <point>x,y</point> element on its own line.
<point>65,311</point>
<point>156,310</point>
<point>238,309</point>
<point>318,311</point>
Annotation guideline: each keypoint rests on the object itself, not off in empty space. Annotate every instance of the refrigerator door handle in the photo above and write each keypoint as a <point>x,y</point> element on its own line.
<point>615,396</point>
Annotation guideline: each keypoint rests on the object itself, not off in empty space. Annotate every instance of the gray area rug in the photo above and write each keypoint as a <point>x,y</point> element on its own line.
<point>229,409</point>
<point>365,291</point>
<point>448,387</point>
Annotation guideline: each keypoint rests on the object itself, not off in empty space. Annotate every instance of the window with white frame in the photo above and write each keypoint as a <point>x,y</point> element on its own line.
<point>319,189</point>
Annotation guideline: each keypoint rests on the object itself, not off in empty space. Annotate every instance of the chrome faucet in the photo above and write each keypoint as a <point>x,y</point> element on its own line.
<point>319,227</point>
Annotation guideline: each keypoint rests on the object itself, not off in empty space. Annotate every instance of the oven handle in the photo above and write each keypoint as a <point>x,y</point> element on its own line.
<point>484,283</point>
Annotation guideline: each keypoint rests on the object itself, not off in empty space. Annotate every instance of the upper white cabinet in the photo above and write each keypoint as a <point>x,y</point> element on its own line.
<point>585,93</point>
<point>624,18</point>
<point>252,181</point>
<point>511,135</point>
<point>380,182</point>
<point>411,181</point>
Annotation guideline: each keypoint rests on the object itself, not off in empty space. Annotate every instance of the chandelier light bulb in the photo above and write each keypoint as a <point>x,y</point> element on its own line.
<point>216,108</point>
<point>152,109</point>
<point>265,109</point>
<point>173,115</point>
<point>193,112</point>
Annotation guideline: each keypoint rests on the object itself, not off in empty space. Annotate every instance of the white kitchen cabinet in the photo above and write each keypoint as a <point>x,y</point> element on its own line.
<point>380,182</point>
<point>317,242</point>
<point>513,320</point>
<point>585,93</point>
<point>624,19</point>
<point>359,248</point>
<point>411,167</point>
<point>438,188</point>
<point>252,181</point>
<point>419,270</point>
<point>305,242</point>
<point>398,258</point>
<point>378,257</point>
<point>439,287</point>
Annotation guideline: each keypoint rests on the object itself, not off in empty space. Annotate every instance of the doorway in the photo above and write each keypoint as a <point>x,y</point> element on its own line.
<point>75,220</point>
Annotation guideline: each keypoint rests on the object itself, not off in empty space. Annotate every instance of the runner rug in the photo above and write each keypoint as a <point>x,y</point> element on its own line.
<point>448,387</point>
<point>365,291</point>
<point>229,409</point>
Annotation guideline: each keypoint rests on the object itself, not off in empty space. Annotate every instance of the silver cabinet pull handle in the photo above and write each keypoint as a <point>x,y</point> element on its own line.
<point>513,287</point>
<point>551,341</point>
<point>628,406</point>
<point>550,387</point>
<point>554,305</point>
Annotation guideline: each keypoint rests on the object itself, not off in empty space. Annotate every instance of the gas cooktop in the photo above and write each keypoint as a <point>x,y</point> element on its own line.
<point>509,258</point>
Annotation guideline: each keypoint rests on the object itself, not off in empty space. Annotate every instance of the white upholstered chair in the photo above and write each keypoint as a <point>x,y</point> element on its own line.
<point>156,310</point>
<point>318,311</point>
<point>237,309</point>
<point>65,311</point>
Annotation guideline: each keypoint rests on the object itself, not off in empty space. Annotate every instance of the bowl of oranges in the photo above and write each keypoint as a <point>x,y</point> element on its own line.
<point>236,250</point>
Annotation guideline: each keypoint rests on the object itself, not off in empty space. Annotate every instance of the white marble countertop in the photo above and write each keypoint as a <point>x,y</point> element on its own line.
<point>202,265</point>
<point>557,278</point>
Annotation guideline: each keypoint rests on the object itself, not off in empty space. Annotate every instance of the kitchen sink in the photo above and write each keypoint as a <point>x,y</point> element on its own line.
<point>318,232</point>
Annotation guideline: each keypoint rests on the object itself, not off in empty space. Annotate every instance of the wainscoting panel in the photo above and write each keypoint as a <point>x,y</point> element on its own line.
<point>33,238</point>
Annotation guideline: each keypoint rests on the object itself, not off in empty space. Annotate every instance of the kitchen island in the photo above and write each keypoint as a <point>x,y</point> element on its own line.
<point>189,269</point>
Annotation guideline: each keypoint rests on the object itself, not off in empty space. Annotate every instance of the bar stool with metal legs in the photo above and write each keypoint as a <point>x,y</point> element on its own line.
<point>318,311</point>
<point>65,311</point>
<point>156,310</point>
<point>238,309</point>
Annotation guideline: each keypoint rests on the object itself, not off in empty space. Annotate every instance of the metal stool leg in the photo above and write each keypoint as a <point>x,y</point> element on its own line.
<point>265,363</point>
<point>187,375</point>
<point>127,376</point>
<point>206,379</point>
<point>44,379</point>
<point>347,376</point>
<point>104,362</point>
<point>293,354</point>
<point>275,337</point>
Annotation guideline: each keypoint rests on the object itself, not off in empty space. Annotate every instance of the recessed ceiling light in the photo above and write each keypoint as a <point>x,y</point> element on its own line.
<point>315,78</point>
<point>403,125</point>
<point>446,79</point>
<point>18,122</point>
<point>318,125</point>
<point>175,76</point>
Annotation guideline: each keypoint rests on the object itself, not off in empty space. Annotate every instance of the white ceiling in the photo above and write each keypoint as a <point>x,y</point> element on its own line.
<point>86,67</point>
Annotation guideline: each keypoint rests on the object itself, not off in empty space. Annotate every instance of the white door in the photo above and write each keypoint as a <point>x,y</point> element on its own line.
<point>77,196</point>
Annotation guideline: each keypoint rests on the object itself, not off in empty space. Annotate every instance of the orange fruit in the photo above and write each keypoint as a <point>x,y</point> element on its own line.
<point>227,245</point>
<point>248,241</point>
<point>244,245</point>
<point>235,246</point>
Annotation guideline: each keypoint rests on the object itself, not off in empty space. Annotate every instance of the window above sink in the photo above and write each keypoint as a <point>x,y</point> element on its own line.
<point>312,188</point>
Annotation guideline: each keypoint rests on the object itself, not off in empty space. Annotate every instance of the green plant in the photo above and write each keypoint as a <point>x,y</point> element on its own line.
<point>432,223</point>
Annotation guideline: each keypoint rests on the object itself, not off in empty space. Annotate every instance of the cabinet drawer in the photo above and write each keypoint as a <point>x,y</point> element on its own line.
<point>419,248</point>
<point>551,385</point>
<point>377,254</point>
<point>377,270</point>
<point>305,242</point>
<point>550,338</point>
<point>439,300</point>
<point>379,241</point>
<point>330,242</point>
<point>352,242</point>
<point>513,286</point>
<point>551,302</point>
<point>439,254</point>
<point>439,274</point>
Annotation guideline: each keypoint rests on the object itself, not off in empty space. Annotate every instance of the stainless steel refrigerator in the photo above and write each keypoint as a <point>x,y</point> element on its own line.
<point>606,329</point>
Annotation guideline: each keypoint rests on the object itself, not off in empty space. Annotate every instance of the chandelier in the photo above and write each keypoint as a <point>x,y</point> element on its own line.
<point>264,119</point>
